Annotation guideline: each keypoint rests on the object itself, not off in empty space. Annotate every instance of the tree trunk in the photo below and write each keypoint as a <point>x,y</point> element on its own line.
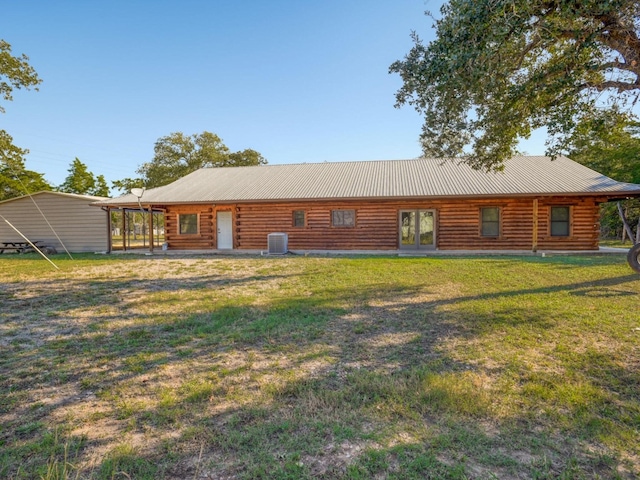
<point>627,228</point>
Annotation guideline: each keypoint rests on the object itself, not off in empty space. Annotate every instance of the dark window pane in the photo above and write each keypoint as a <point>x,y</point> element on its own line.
<point>559,214</point>
<point>188,223</point>
<point>408,235</point>
<point>426,228</point>
<point>343,218</point>
<point>490,229</point>
<point>490,222</point>
<point>490,214</point>
<point>559,229</point>
<point>349,218</point>
<point>560,221</point>
<point>298,218</point>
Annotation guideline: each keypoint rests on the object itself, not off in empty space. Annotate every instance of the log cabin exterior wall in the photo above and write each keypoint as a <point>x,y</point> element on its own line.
<point>203,240</point>
<point>458,224</point>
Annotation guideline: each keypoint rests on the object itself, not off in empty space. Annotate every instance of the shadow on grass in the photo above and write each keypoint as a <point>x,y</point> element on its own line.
<point>345,382</point>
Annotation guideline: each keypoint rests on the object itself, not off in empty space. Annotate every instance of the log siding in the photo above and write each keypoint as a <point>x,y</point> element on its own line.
<point>203,240</point>
<point>377,224</point>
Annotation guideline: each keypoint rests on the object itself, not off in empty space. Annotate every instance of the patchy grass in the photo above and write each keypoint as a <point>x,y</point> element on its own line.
<point>298,367</point>
<point>616,243</point>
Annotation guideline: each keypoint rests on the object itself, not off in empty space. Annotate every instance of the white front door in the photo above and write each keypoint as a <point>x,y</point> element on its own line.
<point>225,230</point>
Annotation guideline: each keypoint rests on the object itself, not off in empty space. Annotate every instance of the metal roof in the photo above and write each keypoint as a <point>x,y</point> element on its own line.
<point>88,198</point>
<point>422,177</point>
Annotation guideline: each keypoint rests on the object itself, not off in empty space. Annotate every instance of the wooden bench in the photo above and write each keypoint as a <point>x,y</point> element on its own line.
<point>19,247</point>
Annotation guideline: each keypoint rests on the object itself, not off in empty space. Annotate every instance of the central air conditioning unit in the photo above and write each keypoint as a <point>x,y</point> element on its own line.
<point>277,243</point>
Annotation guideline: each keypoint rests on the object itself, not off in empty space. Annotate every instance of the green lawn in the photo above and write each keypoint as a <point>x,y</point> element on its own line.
<point>126,367</point>
<point>616,243</point>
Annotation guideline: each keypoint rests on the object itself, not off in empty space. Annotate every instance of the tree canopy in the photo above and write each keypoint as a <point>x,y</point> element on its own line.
<point>15,73</point>
<point>177,155</point>
<point>81,181</point>
<point>499,69</point>
<point>610,144</point>
<point>15,179</point>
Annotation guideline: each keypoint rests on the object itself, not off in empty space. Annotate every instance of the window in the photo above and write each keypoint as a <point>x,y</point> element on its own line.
<point>490,221</point>
<point>298,218</point>
<point>188,223</point>
<point>560,221</point>
<point>343,218</point>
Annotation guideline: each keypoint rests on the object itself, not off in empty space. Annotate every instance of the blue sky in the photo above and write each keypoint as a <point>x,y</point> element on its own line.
<point>298,81</point>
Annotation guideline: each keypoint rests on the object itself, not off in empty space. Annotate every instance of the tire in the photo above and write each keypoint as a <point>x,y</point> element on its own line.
<point>633,257</point>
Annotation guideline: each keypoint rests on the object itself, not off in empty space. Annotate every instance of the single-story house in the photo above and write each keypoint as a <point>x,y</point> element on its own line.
<point>54,219</point>
<point>426,203</point>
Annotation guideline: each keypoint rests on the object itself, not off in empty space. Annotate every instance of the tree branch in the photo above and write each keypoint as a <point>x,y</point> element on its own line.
<point>610,84</point>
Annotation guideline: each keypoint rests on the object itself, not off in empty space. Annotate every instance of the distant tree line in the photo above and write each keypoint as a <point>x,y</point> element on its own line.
<point>176,155</point>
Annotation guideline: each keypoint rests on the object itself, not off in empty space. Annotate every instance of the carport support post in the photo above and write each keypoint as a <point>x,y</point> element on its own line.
<point>109,231</point>
<point>534,243</point>
<point>124,229</point>
<point>150,228</point>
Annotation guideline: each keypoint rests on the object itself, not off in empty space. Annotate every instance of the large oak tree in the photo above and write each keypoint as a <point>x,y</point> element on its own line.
<point>177,155</point>
<point>498,69</point>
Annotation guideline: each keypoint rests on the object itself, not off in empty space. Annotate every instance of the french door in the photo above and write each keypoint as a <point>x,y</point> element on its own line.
<point>417,229</point>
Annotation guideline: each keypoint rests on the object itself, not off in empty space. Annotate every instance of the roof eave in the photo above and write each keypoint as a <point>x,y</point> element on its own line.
<point>608,194</point>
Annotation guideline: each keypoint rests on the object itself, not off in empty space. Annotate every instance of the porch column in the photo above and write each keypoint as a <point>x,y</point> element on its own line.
<point>534,240</point>
<point>124,229</point>
<point>109,229</point>
<point>150,228</point>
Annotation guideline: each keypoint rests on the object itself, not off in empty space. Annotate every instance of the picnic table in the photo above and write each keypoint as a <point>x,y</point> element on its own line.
<point>19,247</point>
